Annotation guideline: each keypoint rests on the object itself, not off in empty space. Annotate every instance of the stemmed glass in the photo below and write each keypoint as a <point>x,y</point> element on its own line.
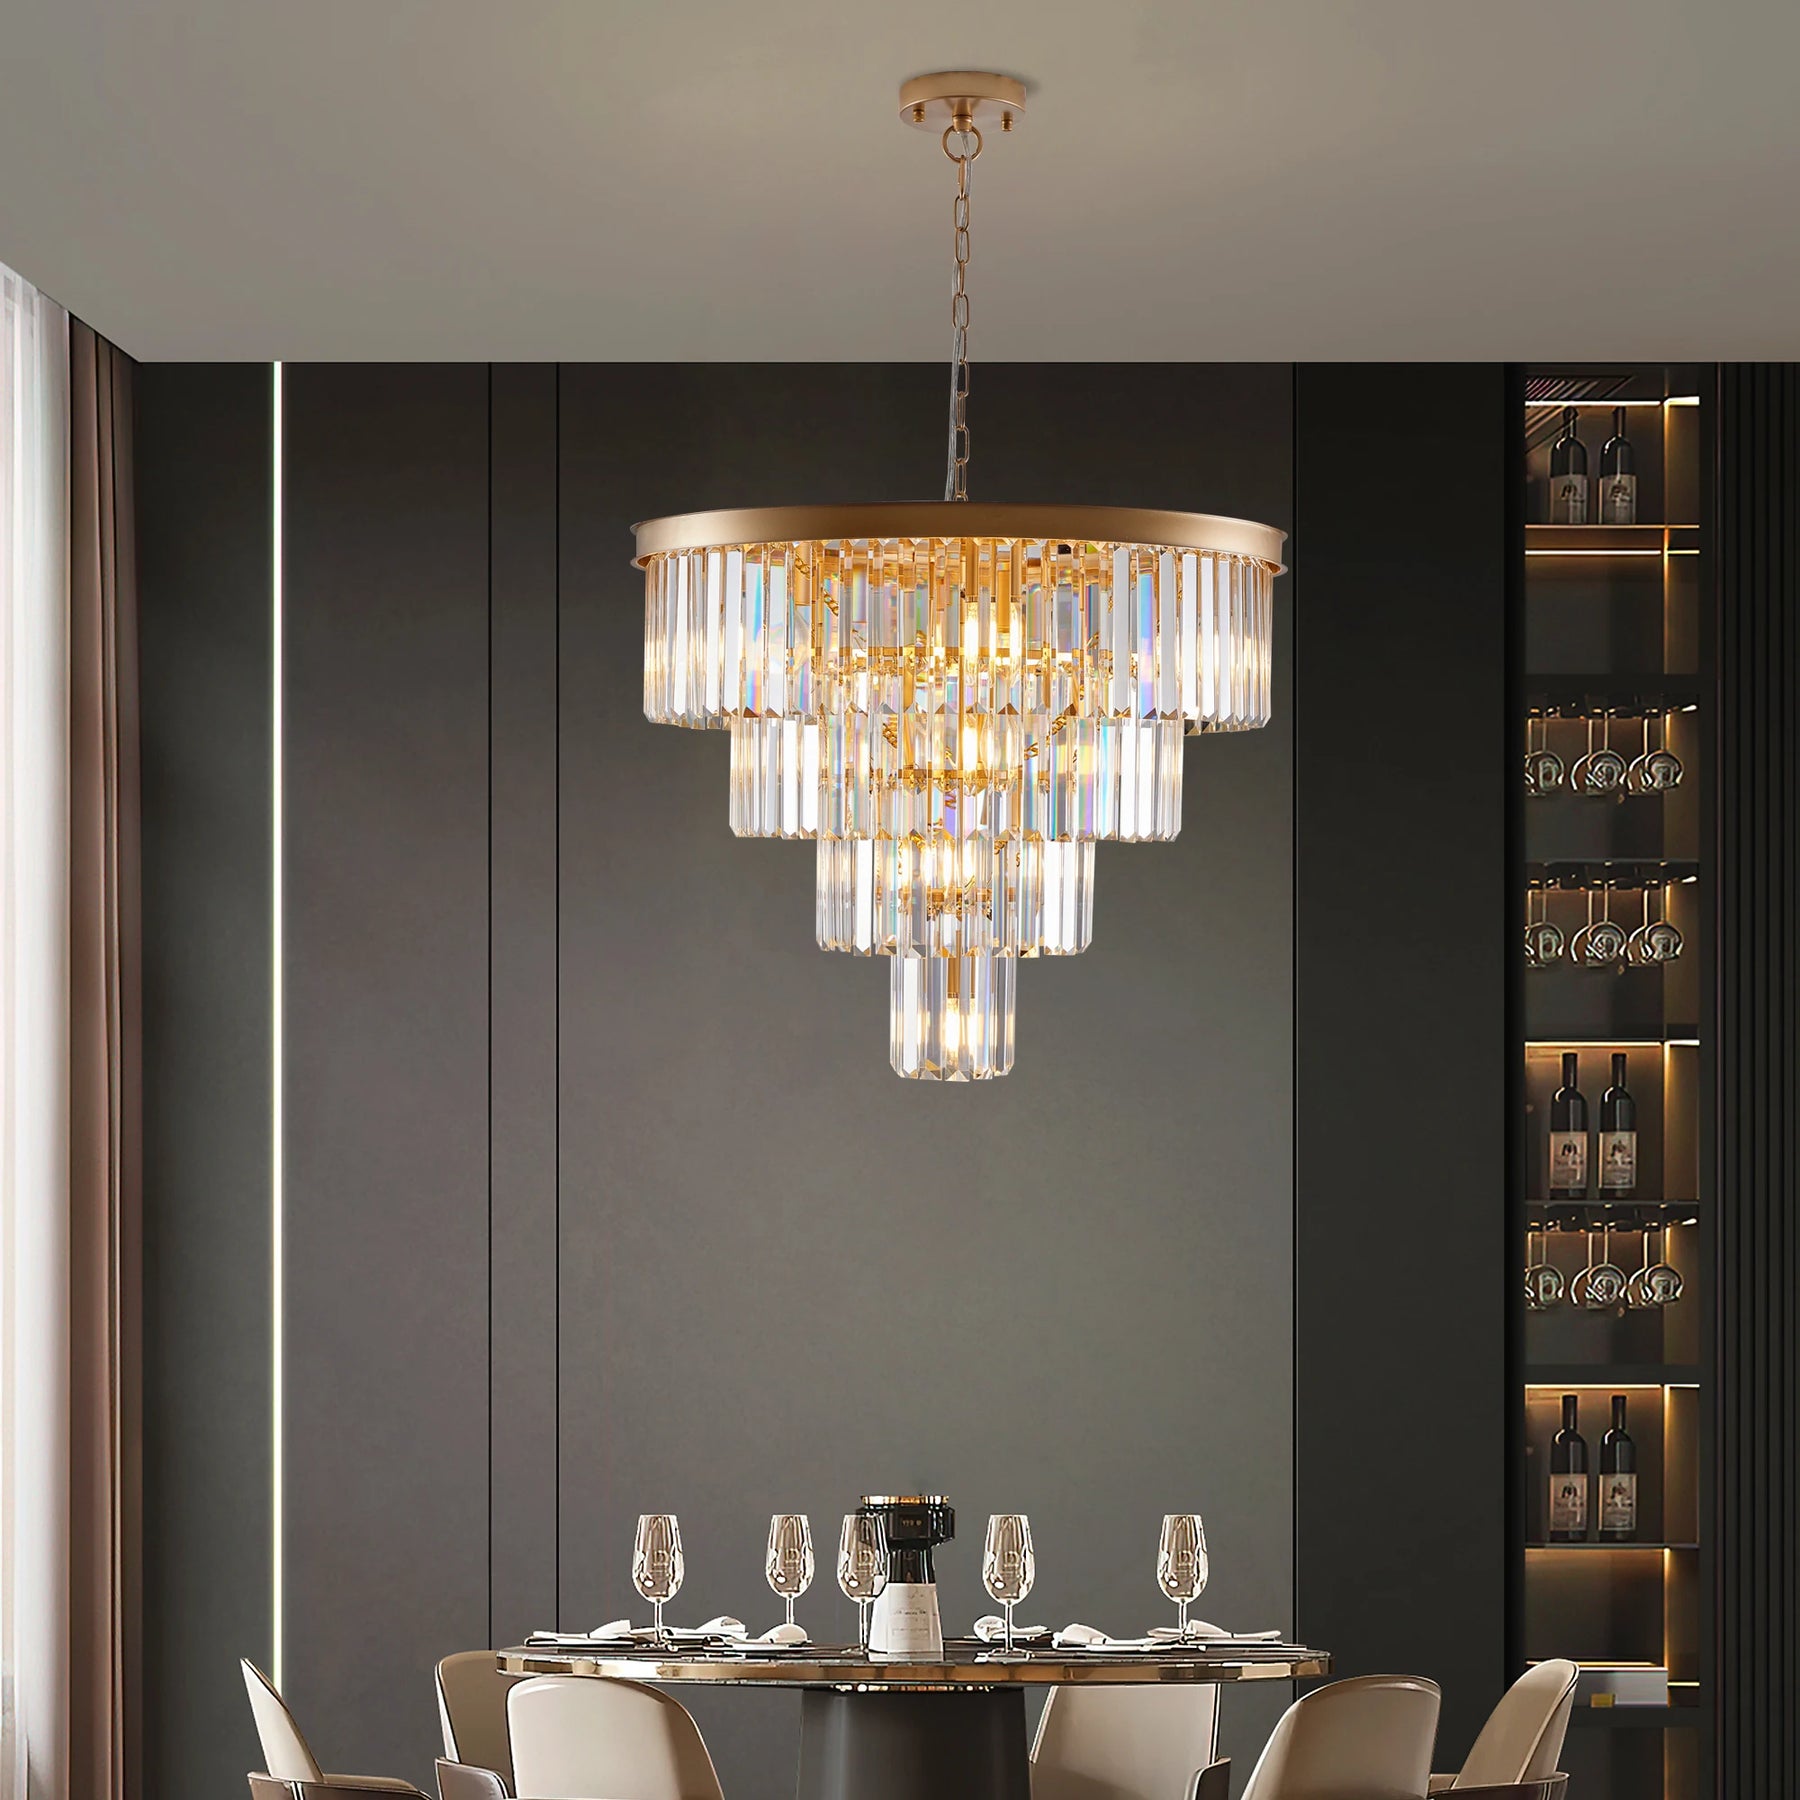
<point>790,1564</point>
<point>656,1563</point>
<point>1181,1561</point>
<point>1008,1565</point>
<point>862,1569</point>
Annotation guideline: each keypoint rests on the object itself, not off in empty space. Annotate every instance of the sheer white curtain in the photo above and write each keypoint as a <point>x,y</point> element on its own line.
<point>34,1043</point>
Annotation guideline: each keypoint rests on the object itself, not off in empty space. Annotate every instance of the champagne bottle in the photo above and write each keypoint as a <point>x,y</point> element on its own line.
<point>1618,476</point>
<point>1569,474</point>
<point>1618,1479</point>
<point>1618,1135</point>
<point>1569,1478</point>
<point>1568,1135</point>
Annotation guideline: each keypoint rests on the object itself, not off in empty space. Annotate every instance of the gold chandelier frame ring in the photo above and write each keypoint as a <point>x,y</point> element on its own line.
<point>923,519</point>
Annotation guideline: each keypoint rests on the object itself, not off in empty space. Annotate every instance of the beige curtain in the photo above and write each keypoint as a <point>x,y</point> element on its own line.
<point>105,1088</point>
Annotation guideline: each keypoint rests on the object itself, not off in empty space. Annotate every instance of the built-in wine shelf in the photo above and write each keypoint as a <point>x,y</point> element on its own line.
<point>1610,1377</point>
<point>1612,540</point>
<point>1592,1544</point>
<point>1609,875</point>
<point>1610,696</point>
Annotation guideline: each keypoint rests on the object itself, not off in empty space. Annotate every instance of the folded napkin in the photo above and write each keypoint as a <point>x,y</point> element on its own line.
<point>1086,1637</point>
<point>617,1631</point>
<point>783,1633</point>
<point>991,1629</point>
<point>1199,1631</point>
<point>724,1626</point>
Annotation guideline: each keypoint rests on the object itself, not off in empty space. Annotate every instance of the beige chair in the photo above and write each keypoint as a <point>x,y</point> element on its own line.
<point>1125,1743</point>
<point>575,1737</point>
<point>292,1771</point>
<point>1523,1738</point>
<point>465,1781</point>
<point>1369,1737</point>
<point>471,1692</point>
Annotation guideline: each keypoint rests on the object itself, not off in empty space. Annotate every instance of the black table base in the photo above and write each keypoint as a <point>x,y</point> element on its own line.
<point>894,1746</point>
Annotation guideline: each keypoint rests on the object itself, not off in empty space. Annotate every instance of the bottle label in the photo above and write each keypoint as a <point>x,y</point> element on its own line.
<point>906,1621</point>
<point>1568,1504</point>
<point>1618,1503</point>
<point>1618,499</point>
<point>1568,1162</point>
<point>1568,499</point>
<point>1618,1161</point>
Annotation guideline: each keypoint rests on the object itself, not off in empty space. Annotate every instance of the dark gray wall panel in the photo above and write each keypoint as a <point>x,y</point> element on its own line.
<point>522,1046</point>
<point>1401,1031</point>
<point>204,511</point>
<point>789,1277</point>
<point>387,1049</point>
<point>1758,1181</point>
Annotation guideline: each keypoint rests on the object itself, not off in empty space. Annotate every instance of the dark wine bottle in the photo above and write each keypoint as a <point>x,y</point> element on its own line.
<point>1618,476</point>
<point>1618,1135</point>
<point>1618,1479</point>
<point>1568,1135</point>
<point>1569,474</point>
<point>1569,1478</point>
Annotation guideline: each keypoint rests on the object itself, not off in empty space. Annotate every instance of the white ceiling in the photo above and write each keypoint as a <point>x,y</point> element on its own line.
<point>699,179</point>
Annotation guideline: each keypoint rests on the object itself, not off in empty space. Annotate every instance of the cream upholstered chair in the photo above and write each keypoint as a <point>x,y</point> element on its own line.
<point>1523,1738</point>
<point>471,1692</point>
<point>1126,1743</point>
<point>1369,1737</point>
<point>293,1772</point>
<point>575,1737</point>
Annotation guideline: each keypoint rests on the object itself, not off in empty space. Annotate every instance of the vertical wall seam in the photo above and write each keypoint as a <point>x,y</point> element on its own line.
<point>490,1003</point>
<point>556,1010</point>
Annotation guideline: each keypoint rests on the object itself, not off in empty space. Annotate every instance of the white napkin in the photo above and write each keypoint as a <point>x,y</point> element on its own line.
<point>724,1626</point>
<point>1199,1630</point>
<point>991,1629</point>
<point>1085,1637</point>
<point>783,1633</point>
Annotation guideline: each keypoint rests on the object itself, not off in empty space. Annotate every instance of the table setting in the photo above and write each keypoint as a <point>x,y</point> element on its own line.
<point>906,1712</point>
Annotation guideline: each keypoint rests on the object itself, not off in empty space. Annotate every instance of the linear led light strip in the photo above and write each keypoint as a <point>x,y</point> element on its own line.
<point>277,1198</point>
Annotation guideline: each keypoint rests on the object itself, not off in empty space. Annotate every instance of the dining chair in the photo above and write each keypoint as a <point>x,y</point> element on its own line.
<point>1369,1737</point>
<point>292,1771</point>
<point>471,1694</point>
<point>576,1736</point>
<point>1522,1740</point>
<point>1125,1743</point>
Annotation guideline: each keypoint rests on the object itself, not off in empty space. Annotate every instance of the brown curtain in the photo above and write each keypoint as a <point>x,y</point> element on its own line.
<point>105,1088</point>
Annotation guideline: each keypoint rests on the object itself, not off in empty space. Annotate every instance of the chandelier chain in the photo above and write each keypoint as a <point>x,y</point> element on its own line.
<point>956,476</point>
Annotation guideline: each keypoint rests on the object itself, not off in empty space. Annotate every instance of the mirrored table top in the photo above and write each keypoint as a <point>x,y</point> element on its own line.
<point>965,1665</point>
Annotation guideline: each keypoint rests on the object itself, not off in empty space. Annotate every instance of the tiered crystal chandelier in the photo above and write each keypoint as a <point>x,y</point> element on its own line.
<point>957,701</point>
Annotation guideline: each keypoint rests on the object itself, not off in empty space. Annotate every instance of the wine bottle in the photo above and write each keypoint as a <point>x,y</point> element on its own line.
<point>1568,1135</point>
<point>1569,1478</point>
<point>1568,474</point>
<point>1618,476</point>
<point>1618,1479</point>
<point>1618,1134</point>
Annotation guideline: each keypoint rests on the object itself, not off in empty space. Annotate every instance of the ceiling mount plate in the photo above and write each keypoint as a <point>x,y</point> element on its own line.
<point>962,97</point>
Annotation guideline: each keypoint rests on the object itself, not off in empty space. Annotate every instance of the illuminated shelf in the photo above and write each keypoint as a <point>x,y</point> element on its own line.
<point>1620,874</point>
<point>1576,1216</point>
<point>1570,1376</point>
<point>1612,540</point>
<point>1610,695</point>
<point>1596,1544</point>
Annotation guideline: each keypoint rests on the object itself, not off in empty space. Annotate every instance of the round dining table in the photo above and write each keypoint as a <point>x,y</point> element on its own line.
<point>879,1729</point>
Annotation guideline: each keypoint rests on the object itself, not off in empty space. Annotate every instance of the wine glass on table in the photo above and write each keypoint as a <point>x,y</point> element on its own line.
<point>790,1564</point>
<point>1008,1565</point>
<point>1181,1568</point>
<point>863,1566</point>
<point>656,1563</point>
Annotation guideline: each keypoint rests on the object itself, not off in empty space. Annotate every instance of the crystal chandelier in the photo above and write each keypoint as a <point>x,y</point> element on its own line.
<point>957,701</point>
